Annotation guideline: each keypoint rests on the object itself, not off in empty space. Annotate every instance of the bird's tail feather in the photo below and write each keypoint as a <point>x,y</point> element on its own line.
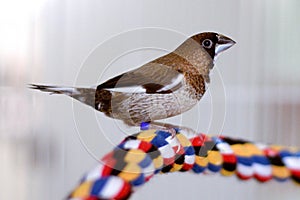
<point>54,89</point>
<point>84,95</point>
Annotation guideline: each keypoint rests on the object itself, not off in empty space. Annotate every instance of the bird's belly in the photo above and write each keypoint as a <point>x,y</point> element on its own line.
<point>139,107</point>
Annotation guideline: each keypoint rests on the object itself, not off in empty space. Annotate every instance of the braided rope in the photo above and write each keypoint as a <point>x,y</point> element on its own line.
<point>140,156</point>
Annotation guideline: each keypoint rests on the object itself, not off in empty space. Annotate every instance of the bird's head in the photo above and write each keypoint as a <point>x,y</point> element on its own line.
<point>213,43</point>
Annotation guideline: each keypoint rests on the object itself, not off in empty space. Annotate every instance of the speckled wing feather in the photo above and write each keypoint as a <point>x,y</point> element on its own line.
<point>153,77</point>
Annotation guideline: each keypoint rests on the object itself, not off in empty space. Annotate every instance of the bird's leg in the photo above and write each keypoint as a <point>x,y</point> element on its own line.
<point>173,129</point>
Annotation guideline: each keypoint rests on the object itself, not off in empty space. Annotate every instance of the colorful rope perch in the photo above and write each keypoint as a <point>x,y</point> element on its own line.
<point>139,157</point>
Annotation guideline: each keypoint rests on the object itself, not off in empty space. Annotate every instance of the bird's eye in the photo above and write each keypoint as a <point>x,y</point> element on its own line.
<point>207,43</point>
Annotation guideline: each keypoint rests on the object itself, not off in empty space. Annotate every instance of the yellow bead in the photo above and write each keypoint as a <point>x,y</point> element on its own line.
<point>83,190</point>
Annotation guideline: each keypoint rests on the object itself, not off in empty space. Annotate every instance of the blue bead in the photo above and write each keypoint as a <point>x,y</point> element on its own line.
<point>139,181</point>
<point>145,162</point>
<point>163,134</point>
<point>189,151</point>
<point>245,160</point>
<point>144,126</point>
<point>285,153</point>
<point>198,169</point>
<point>214,168</point>
<point>158,141</point>
<point>98,186</point>
<point>261,160</point>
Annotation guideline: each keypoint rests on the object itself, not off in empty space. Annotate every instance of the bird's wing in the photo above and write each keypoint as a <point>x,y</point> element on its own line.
<point>150,78</point>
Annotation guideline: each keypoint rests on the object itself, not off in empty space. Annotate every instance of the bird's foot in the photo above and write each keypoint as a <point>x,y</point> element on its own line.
<point>159,126</point>
<point>173,129</point>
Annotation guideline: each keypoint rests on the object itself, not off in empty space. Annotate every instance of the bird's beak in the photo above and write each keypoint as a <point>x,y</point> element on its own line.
<point>223,44</point>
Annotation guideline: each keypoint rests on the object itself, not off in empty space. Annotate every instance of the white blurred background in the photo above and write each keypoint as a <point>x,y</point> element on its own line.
<point>48,142</point>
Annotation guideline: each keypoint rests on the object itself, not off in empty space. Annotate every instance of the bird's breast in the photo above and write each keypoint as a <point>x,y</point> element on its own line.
<point>134,108</point>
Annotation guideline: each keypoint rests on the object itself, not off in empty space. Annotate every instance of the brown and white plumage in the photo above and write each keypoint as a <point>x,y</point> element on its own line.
<point>162,88</point>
